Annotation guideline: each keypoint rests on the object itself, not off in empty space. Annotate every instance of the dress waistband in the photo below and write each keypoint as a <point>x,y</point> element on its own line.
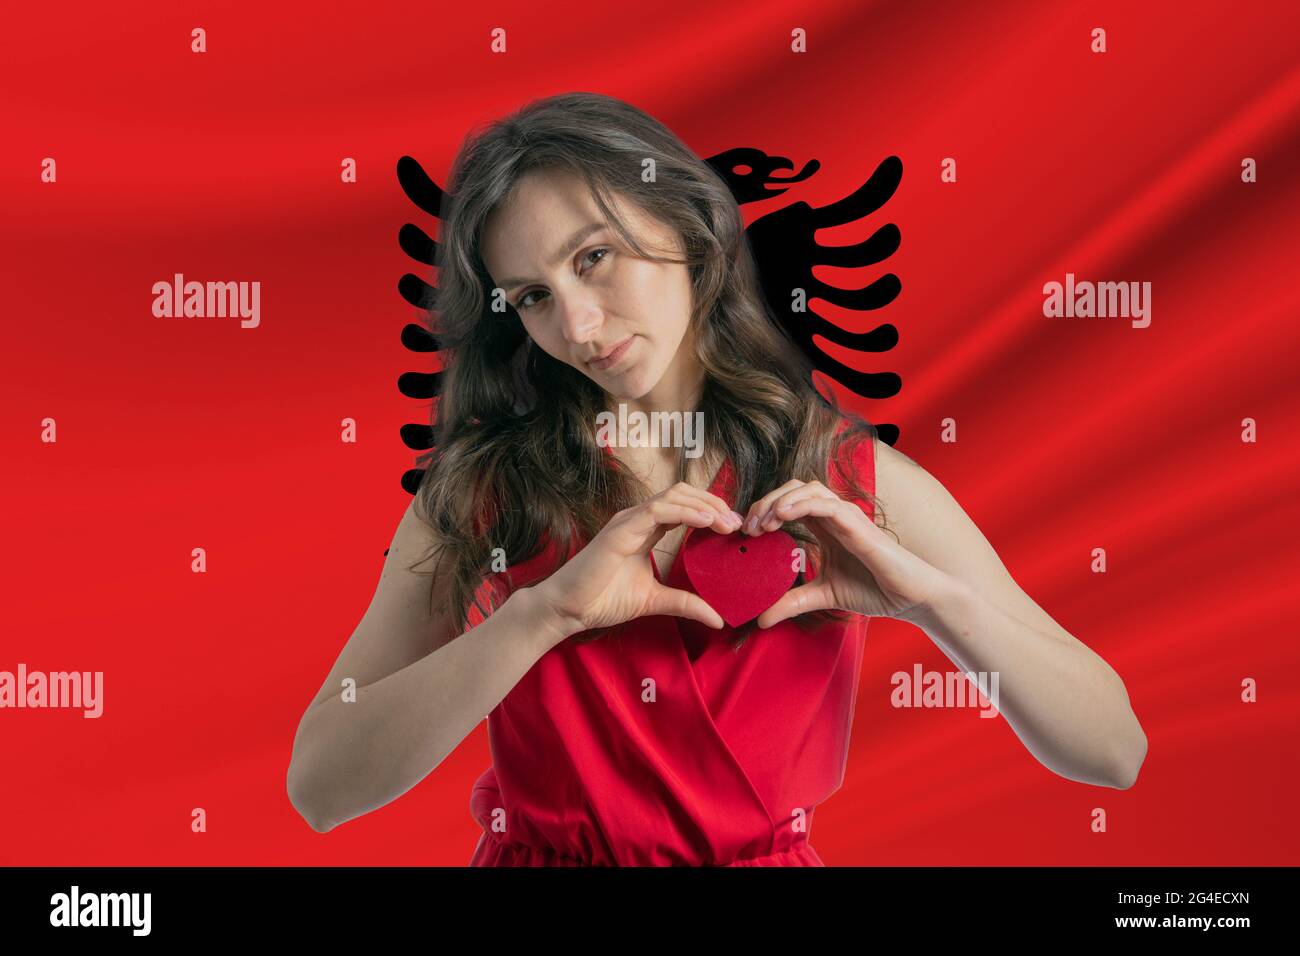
<point>492,851</point>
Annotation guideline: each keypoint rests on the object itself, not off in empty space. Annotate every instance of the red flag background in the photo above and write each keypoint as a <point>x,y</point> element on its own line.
<point>1072,433</point>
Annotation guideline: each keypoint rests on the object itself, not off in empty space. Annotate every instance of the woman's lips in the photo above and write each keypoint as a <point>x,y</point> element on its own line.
<point>614,357</point>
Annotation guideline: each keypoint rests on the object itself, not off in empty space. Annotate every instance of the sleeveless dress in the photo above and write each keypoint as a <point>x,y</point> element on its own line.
<point>658,745</point>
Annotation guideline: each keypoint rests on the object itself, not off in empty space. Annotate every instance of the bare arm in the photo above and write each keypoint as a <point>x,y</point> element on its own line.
<point>1068,706</point>
<point>420,690</point>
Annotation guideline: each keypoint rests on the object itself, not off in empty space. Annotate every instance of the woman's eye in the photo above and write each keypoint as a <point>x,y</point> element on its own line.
<point>524,304</point>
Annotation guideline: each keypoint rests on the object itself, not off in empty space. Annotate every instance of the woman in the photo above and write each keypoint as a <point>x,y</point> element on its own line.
<point>590,261</point>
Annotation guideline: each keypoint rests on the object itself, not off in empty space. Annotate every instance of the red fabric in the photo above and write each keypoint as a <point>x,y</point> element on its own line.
<point>725,767</point>
<point>1071,434</point>
<point>740,577</point>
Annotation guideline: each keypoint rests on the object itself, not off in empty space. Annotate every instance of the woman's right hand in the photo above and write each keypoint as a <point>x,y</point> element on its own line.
<point>611,580</point>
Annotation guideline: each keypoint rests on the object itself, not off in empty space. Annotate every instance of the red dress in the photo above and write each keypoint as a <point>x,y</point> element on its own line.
<point>657,745</point>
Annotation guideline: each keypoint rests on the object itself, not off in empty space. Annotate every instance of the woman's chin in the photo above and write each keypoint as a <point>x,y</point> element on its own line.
<point>627,387</point>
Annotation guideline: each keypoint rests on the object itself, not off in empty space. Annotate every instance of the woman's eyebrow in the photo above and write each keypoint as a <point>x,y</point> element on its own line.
<point>569,248</point>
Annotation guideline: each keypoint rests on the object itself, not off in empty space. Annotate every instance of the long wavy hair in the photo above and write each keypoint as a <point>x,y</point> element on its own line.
<point>515,459</point>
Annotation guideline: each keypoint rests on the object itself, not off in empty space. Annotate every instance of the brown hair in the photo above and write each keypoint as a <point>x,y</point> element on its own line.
<point>515,456</point>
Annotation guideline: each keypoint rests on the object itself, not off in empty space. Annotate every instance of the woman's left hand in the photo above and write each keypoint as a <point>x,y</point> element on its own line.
<point>862,568</point>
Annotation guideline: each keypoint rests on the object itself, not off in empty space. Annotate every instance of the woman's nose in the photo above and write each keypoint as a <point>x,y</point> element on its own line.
<point>581,321</point>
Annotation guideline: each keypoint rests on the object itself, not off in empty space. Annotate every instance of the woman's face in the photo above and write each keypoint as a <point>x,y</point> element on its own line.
<point>583,297</point>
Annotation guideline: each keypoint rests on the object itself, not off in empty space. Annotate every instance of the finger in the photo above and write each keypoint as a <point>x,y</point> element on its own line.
<point>780,511</point>
<point>657,517</point>
<point>760,507</point>
<point>814,596</point>
<point>685,604</point>
<point>771,520</point>
<point>715,501</point>
<point>727,520</point>
<point>844,520</point>
<point>722,520</point>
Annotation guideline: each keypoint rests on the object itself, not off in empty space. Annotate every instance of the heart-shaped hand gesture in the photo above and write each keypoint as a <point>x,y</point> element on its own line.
<point>611,580</point>
<point>862,568</point>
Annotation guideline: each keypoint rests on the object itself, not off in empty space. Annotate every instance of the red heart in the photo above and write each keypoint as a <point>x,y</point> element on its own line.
<point>740,577</point>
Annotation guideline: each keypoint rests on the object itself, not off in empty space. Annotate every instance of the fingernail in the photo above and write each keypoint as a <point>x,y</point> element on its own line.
<point>751,524</point>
